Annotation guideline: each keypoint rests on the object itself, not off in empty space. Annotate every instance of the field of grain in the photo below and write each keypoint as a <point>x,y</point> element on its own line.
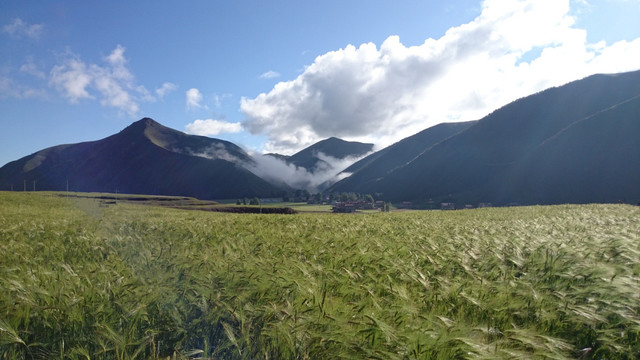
<point>82,279</point>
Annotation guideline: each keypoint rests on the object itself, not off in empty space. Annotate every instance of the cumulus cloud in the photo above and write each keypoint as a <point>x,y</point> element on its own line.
<point>270,75</point>
<point>193,98</point>
<point>112,83</point>
<point>20,28</point>
<point>212,127</point>
<point>382,94</point>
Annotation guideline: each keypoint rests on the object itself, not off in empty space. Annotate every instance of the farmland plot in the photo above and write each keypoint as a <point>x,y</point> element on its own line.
<point>87,280</point>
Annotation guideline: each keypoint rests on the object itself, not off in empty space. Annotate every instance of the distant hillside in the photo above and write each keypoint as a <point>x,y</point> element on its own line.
<point>576,143</point>
<point>311,157</point>
<point>144,158</point>
<point>599,160</point>
<point>382,162</point>
<point>277,156</point>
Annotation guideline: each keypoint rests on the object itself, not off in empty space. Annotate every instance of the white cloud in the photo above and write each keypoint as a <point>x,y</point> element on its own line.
<point>116,58</point>
<point>212,127</point>
<point>165,89</point>
<point>270,75</point>
<point>215,152</point>
<point>113,84</point>
<point>73,78</point>
<point>512,49</point>
<point>20,28</point>
<point>11,89</point>
<point>219,98</point>
<point>193,98</point>
<point>32,69</point>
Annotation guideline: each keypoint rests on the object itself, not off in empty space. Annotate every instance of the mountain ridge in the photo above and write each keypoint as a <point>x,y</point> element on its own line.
<point>131,161</point>
<point>485,162</point>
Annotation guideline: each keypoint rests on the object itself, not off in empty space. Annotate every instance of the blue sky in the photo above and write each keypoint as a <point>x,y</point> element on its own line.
<point>277,76</point>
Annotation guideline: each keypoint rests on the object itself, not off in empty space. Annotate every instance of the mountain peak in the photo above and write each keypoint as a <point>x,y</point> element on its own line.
<point>334,140</point>
<point>333,147</point>
<point>147,121</point>
<point>339,148</point>
<point>141,126</point>
<point>144,122</point>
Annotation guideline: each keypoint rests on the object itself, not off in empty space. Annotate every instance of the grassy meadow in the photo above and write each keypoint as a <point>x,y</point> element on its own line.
<point>83,279</point>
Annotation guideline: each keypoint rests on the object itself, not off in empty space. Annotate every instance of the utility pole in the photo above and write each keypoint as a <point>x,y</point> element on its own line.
<point>34,186</point>
<point>25,186</point>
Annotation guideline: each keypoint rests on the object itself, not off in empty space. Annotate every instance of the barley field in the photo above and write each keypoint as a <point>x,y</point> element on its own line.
<point>85,279</point>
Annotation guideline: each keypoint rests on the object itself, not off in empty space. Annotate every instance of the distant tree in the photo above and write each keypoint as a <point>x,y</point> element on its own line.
<point>245,201</point>
<point>254,201</point>
<point>238,202</point>
<point>368,198</point>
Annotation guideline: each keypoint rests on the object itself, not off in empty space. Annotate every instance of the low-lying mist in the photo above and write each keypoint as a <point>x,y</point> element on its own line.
<point>328,169</point>
<point>326,172</point>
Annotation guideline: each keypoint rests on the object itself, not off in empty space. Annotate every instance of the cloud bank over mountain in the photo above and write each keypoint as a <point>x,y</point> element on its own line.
<point>365,93</point>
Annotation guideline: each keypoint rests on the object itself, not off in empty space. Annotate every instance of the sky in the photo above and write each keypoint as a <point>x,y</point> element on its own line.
<point>278,76</point>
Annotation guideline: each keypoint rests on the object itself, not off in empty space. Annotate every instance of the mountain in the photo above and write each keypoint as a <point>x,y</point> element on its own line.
<point>315,156</point>
<point>144,158</point>
<point>382,162</point>
<point>575,143</point>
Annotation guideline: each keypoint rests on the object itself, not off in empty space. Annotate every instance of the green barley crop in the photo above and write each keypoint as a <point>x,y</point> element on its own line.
<point>82,280</point>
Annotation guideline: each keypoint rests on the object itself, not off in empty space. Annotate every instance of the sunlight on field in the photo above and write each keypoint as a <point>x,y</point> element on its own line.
<point>101,280</point>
